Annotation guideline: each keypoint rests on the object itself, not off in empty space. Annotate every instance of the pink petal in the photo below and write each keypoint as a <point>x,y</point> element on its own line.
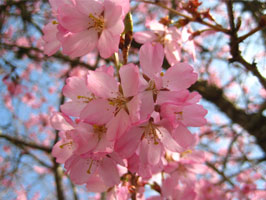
<point>172,53</point>
<point>77,168</point>
<point>96,184</point>
<point>86,7</point>
<point>79,44</point>
<point>154,153</point>
<point>151,58</point>
<point>147,105</point>
<point>143,151</point>
<point>84,138</point>
<point>98,111</point>
<point>129,75</point>
<point>145,36</point>
<point>108,43</point>
<point>168,141</point>
<point>55,4</point>
<point>128,143</point>
<point>118,125</point>
<point>71,19</point>
<point>174,97</point>
<point>61,151</point>
<point>75,87</point>
<point>194,115</point>
<point>184,137</point>
<point>134,108</point>
<point>102,84</point>
<point>113,17</point>
<point>61,122</point>
<point>178,77</point>
<point>125,6</point>
<point>72,108</point>
<point>109,173</point>
<point>51,45</point>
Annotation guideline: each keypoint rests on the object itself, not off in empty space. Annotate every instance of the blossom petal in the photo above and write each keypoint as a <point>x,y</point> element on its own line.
<point>154,153</point>
<point>71,19</point>
<point>109,172</point>
<point>128,143</point>
<point>72,108</point>
<point>113,17</point>
<point>184,137</point>
<point>108,43</point>
<point>61,122</point>
<point>86,7</point>
<point>151,59</point>
<point>102,84</point>
<point>98,111</point>
<point>79,44</point>
<point>144,36</point>
<point>168,141</point>
<point>129,75</point>
<point>178,77</point>
<point>75,87</point>
<point>194,115</point>
<point>118,125</point>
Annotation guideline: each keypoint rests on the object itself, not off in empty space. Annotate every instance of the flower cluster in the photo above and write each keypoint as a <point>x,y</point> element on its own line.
<point>132,121</point>
<point>82,26</point>
<point>119,129</point>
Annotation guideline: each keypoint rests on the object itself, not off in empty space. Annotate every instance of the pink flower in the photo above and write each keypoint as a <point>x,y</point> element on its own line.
<point>83,168</point>
<point>86,25</point>
<point>51,44</point>
<point>76,89</point>
<point>114,104</point>
<point>170,38</point>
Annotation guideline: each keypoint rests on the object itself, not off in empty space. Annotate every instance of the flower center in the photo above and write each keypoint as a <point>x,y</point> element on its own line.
<point>151,133</point>
<point>120,103</point>
<point>85,99</point>
<point>100,130</point>
<point>98,22</point>
<point>179,115</point>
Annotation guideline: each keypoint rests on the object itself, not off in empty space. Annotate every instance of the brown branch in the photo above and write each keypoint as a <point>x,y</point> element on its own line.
<point>254,123</point>
<point>212,26</point>
<point>20,142</point>
<point>221,173</point>
<point>234,47</point>
<point>21,50</point>
<point>58,174</point>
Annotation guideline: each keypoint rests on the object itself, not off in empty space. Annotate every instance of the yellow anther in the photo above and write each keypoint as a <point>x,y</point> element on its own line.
<point>185,153</point>
<point>63,145</point>
<point>86,99</point>
<point>54,22</point>
<point>98,22</point>
<point>179,115</point>
<point>161,74</point>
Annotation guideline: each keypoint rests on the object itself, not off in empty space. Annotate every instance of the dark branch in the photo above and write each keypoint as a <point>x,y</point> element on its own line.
<point>20,142</point>
<point>254,123</point>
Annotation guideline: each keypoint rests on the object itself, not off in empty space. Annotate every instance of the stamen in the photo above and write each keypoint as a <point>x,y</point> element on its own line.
<point>86,99</point>
<point>185,153</point>
<point>98,22</point>
<point>66,144</point>
<point>150,133</point>
<point>89,170</point>
<point>99,130</point>
<point>179,115</point>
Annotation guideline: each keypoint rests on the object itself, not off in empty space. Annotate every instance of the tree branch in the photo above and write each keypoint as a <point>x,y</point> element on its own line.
<point>20,142</point>
<point>254,123</point>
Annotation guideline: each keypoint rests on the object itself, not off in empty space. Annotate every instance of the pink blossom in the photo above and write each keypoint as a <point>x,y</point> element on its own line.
<point>86,25</point>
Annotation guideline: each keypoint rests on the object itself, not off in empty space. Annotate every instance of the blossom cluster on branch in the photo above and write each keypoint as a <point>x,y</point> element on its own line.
<point>125,124</point>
